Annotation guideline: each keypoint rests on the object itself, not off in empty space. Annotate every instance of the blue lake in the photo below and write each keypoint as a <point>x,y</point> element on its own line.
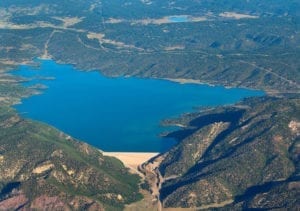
<point>115,114</point>
<point>178,19</point>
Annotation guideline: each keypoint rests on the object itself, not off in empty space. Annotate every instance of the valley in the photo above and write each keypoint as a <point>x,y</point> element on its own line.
<point>232,154</point>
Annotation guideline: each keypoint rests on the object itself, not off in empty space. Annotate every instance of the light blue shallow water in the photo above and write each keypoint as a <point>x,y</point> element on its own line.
<point>116,114</point>
<point>179,19</point>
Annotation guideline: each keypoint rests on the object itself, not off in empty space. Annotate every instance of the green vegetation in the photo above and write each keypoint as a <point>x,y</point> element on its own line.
<point>46,162</point>
<point>250,52</point>
<point>244,156</point>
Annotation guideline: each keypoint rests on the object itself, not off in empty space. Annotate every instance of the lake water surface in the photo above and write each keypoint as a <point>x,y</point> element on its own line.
<point>116,114</point>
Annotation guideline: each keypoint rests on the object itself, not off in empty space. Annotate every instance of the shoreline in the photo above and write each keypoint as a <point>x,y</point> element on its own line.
<point>132,160</point>
<point>270,92</point>
<point>182,81</point>
<point>187,81</point>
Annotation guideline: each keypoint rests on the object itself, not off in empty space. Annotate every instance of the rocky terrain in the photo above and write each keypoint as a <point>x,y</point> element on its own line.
<point>239,157</point>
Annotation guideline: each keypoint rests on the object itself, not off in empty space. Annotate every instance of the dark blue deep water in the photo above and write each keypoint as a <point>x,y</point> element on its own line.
<point>115,114</point>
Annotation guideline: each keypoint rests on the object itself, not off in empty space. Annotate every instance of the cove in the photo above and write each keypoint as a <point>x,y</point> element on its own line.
<point>115,114</point>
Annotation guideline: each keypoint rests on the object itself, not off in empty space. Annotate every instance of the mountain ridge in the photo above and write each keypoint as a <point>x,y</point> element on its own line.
<point>240,162</point>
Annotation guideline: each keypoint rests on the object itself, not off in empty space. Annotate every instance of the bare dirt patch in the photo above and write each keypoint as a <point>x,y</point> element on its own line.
<point>237,16</point>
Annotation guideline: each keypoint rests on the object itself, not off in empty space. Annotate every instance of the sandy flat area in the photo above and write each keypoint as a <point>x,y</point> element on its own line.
<point>236,15</point>
<point>132,159</point>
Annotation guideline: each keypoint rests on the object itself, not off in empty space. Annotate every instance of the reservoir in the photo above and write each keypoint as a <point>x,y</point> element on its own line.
<point>115,114</point>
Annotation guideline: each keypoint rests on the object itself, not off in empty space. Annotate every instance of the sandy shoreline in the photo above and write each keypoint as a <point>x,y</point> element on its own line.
<point>132,159</point>
<point>187,81</point>
<point>195,81</point>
